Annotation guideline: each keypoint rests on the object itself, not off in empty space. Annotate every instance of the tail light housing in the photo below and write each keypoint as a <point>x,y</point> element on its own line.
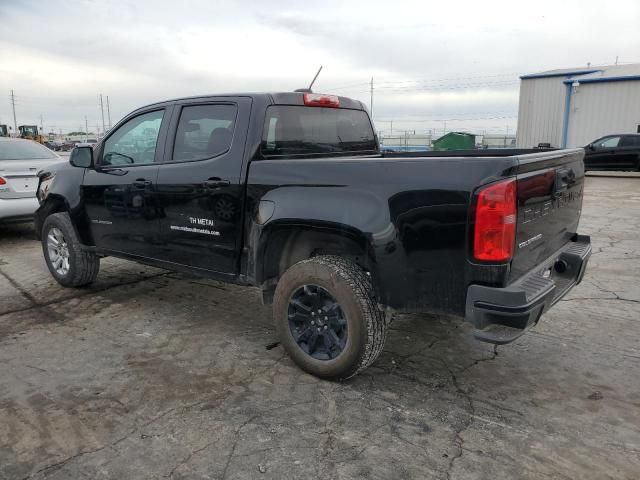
<point>495,222</point>
<point>321,100</point>
<point>2,181</point>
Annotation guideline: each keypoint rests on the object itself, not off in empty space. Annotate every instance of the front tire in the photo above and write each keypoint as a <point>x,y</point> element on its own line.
<point>68,263</point>
<point>327,317</point>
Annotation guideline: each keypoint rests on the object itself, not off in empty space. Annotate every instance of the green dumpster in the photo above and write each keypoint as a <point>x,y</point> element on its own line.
<point>455,141</point>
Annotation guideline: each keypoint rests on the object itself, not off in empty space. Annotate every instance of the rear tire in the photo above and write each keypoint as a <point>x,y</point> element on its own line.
<point>68,262</point>
<point>327,317</point>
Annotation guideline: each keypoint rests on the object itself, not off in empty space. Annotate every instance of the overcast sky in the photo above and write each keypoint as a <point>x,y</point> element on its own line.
<point>432,62</point>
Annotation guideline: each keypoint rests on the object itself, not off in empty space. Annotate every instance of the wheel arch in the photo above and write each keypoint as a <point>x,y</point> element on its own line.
<point>282,244</point>
<point>52,204</point>
<point>55,203</point>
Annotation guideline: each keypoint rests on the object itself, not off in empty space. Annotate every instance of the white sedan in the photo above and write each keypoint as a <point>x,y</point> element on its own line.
<point>20,162</point>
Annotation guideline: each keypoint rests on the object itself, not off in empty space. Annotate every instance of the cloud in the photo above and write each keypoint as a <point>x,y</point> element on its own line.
<point>429,60</point>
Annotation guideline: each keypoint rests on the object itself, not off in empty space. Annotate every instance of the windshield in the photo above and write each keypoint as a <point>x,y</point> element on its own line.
<point>311,131</point>
<point>24,150</point>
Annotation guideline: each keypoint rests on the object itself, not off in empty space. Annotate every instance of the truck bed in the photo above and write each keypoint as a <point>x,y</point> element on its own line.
<point>415,211</point>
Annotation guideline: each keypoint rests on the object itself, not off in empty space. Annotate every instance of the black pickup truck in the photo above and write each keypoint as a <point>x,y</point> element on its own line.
<point>289,192</point>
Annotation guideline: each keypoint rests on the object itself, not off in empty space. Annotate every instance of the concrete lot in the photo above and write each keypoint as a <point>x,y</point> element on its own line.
<point>148,374</point>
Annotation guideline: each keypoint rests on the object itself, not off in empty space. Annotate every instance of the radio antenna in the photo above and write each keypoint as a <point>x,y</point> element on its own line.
<point>308,90</point>
<point>314,78</point>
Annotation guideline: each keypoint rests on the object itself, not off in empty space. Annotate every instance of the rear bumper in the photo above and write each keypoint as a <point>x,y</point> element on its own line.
<point>500,315</point>
<point>17,209</point>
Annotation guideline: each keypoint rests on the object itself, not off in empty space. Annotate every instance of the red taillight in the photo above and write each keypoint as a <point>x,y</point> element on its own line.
<point>495,225</point>
<point>321,100</point>
<point>2,181</point>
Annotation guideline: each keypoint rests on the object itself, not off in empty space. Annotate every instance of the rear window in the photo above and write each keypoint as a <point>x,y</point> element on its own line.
<point>23,150</point>
<point>315,131</point>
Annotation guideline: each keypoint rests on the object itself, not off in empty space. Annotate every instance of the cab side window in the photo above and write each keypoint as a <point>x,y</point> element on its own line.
<point>610,142</point>
<point>204,131</point>
<point>134,142</point>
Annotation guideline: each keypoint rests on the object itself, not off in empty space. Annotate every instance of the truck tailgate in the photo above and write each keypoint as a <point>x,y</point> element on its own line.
<point>549,191</point>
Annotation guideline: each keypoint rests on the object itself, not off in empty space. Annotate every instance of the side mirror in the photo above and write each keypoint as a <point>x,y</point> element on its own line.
<point>591,146</point>
<point>81,157</point>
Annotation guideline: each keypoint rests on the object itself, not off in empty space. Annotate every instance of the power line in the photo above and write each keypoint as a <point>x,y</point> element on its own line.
<point>341,87</point>
<point>425,80</point>
<point>436,88</point>
<point>459,114</point>
<point>444,87</point>
<point>446,81</point>
<point>465,77</point>
<point>423,120</point>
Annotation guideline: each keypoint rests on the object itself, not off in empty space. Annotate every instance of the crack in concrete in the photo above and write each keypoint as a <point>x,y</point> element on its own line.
<point>19,288</point>
<point>481,360</point>
<point>232,455</point>
<point>329,444</point>
<point>32,300</point>
<point>46,470</point>
<point>612,292</point>
<point>235,444</point>
<point>188,458</point>
<point>519,465</point>
<point>61,463</point>
<point>248,421</point>
<point>36,304</point>
<point>458,439</point>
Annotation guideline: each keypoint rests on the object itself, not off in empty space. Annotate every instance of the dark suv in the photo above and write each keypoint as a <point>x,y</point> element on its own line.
<point>614,152</point>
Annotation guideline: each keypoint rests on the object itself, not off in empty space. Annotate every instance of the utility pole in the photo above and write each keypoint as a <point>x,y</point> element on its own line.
<point>13,105</point>
<point>86,129</point>
<point>102,111</point>
<point>371,103</point>
<point>391,127</point>
<point>616,59</point>
<point>444,128</point>
<point>108,113</point>
<point>41,125</point>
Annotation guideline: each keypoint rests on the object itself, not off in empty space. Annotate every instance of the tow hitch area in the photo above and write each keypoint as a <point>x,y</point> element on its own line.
<point>500,315</point>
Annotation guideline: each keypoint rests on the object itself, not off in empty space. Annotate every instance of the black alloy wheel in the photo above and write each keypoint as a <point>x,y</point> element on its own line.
<point>327,316</point>
<point>317,323</point>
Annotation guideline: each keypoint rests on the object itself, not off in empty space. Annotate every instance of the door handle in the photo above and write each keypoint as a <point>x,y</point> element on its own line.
<point>141,183</point>
<point>216,183</point>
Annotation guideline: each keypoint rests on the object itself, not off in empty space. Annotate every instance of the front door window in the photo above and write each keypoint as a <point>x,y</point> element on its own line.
<point>134,142</point>
<point>610,142</point>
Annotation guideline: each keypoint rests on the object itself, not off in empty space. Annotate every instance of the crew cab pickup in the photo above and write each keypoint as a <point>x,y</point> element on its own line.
<point>289,192</point>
